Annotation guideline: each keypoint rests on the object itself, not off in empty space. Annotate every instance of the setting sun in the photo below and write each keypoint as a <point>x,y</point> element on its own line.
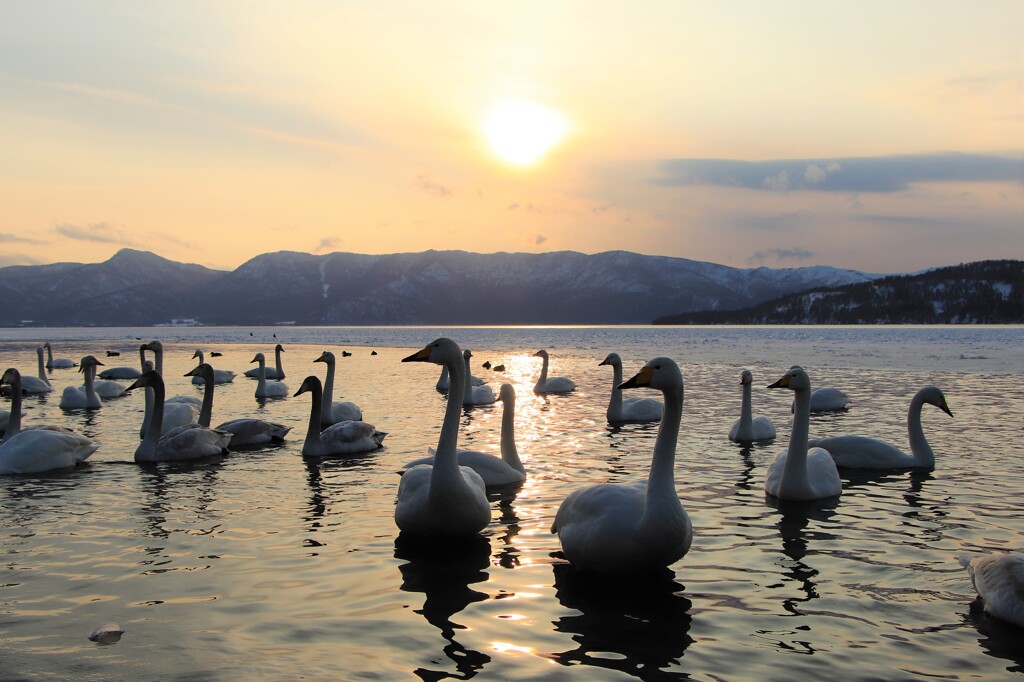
<point>522,132</point>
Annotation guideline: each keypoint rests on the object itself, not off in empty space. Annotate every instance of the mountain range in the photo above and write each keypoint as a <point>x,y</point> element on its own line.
<point>135,288</point>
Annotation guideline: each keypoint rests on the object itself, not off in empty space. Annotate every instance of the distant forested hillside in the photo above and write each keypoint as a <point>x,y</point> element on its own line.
<point>985,292</point>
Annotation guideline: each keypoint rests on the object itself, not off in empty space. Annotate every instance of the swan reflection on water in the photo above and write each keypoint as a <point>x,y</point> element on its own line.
<point>997,638</point>
<point>638,625</point>
<point>443,572</point>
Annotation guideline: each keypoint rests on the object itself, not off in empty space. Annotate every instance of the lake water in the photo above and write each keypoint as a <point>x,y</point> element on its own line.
<point>260,565</point>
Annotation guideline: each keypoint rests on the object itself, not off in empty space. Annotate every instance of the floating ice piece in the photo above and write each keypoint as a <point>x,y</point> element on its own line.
<point>108,633</point>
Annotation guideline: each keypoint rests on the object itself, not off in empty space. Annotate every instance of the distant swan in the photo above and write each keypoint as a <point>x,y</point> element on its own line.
<point>333,412</point>
<point>827,399</point>
<point>158,353</point>
<point>276,372</point>
<point>264,388</point>
<point>475,395</point>
<point>183,443</point>
<point>862,452</point>
<point>59,363</point>
<point>628,410</point>
<point>83,397</point>
<point>443,383</point>
<point>220,376</point>
<point>495,471</point>
<point>443,500</point>
<point>999,580</point>
<point>796,473</point>
<point>175,414</point>
<point>349,437</point>
<point>554,384</point>
<point>244,432</point>
<point>622,528</point>
<point>749,428</point>
<point>39,384</point>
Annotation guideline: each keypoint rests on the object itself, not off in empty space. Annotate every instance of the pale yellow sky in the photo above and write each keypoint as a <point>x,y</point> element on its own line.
<point>882,136</point>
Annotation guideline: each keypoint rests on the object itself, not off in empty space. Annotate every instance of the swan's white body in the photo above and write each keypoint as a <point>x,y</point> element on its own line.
<point>39,384</point>
<point>107,390</point>
<point>343,438</point>
<point>37,450</point>
<point>443,499</point>
<point>334,412</point>
<point>639,526</point>
<point>58,363</point>
<point>264,388</point>
<point>862,452</point>
<point>749,428</point>
<point>120,373</point>
<point>999,580</point>
<point>275,372</point>
<point>827,399</point>
<point>628,410</point>
<point>190,441</point>
<point>83,397</point>
<point>444,383</point>
<point>553,384</point>
<point>497,472</point>
<point>12,427</point>
<point>220,376</point>
<point>244,432</point>
<point>799,474</point>
<point>475,395</point>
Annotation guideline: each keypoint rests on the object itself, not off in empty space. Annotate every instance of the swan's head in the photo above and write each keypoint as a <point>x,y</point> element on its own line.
<point>88,361</point>
<point>541,354</point>
<point>746,378</point>
<point>259,358</point>
<point>507,394</point>
<point>613,359</point>
<point>197,354</point>
<point>278,348</point>
<point>659,373</point>
<point>933,396</point>
<point>439,352</point>
<point>154,346</point>
<point>46,345</point>
<point>147,366</point>
<point>310,383</point>
<point>327,356</point>
<point>467,353</point>
<point>795,379</point>
<point>149,378</point>
<point>10,376</point>
<point>203,370</point>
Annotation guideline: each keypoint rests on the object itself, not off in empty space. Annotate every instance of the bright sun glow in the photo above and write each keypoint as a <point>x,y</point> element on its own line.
<point>522,132</point>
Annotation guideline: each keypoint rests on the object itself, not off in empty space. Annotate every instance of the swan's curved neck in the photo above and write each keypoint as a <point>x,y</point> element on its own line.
<point>206,411</point>
<point>42,368</point>
<point>261,377</point>
<point>142,358</point>
<point>467,384</point>
<point>90,386</point>
<point>49,356</point>
<point>328,390</point>
<point>14,423</point>
<point>509,453</point>
<point>315,411</point>
<point>615,402</point>
<point>446,461</point>
<point>746,411</point>
<point>277,360</point>
<point>661,485</point>
<point>794,475</point>
<point>443,381</point>
<point>922,451</point>
<point>543,380</point>
<point>155,416</point>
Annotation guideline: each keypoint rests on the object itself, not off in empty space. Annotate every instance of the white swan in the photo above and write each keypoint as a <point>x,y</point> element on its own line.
<point>443,382</point>
<point>220,376</point>
<point>344,438</point>
<point>749,428</point>
<point>59,363</point>
<point>12,378</point>
<point>443,500</point>
<point>175,414</point>
<point>333,412</point>
<point>474,395</point>
<point>504,471</point>
<point>265,389</point>
<point>554,384</point>
<point>862,452</point>
<point>244,432</point>
<point>83,397</point>
<point>796,473</point>
<point>628,410</point>
<point>999,579</point>
<point>158,353</point>
<point>622,528</point>
<point>40,384</point>
<point>187,442</point>
<point>276,372</point>
<point>37,450</point>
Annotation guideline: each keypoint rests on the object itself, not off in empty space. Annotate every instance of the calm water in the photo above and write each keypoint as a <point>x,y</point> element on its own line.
<point>261,565</point>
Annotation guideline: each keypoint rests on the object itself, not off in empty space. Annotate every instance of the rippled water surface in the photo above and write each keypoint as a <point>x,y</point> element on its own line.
<point>261,565</point>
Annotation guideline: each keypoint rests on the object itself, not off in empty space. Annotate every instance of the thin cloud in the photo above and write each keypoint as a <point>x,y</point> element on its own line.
<point>780,255</point>
<point>8,238</point>
<point>97,232</point>
<point>436,189</point>
<point>539,239</point>
<point>857,174</point>
<point>328,244</point>
<point>8,259</point>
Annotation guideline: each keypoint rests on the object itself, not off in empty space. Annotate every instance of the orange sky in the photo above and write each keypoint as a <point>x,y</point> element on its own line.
<point>886,137</point>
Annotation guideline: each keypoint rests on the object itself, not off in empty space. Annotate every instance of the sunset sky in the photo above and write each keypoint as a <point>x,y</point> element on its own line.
<point>880,136</point>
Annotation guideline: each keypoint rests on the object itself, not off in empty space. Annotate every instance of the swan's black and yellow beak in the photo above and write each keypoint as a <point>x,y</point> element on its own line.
<point>322,358</point>
<point>781,383</point>
<point>422,355</point>
<point>643,378</point>
<point>603,362</point>
<point>254,360</point>
<point>945,408</point>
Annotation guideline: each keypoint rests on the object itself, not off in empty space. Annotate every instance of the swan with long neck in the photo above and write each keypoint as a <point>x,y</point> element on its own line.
<point>628,410</point>
<point>176,413</point>
<point>220,376</point>
<point>798,473</point>
<point>443,499</point>
<point>58,363</point>
<point>624,528</point>
<point>187,442</point>
<point>84,397</point>
<point>749,428</point>
<point>39,384</point>
<point>264,388</point>
<point>444,383</point>
<point>333,412</point>
<point>12,377</point>
<point>999,580</point>
<point>862,452</point>
<point>158,354</point>
<point>552,384</point>
<point>474,395</point>
<point>349,437</point>
<point>275,372</point>
<point>244,432</point>
<point>496,472</point>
